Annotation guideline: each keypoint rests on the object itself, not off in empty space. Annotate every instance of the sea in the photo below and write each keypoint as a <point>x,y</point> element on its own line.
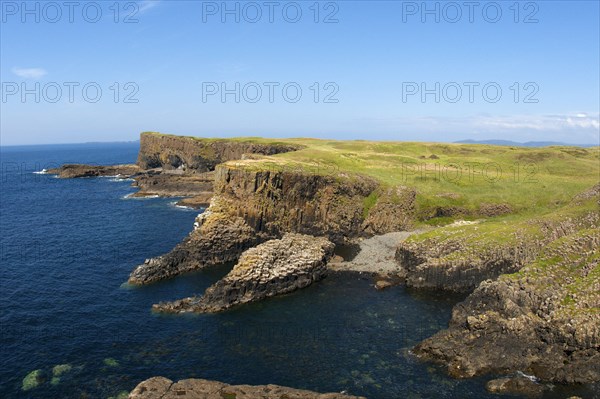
<point>71,327</point>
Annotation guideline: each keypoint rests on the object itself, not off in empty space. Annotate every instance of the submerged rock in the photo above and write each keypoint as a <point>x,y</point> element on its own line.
<point>160,387</point>
<point>32,380</point>
<point>516,386</point>
<point>273,268</point>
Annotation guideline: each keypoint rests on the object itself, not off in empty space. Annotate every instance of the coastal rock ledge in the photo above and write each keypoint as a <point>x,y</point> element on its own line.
<point>273,268</point>
<point>160,387</point>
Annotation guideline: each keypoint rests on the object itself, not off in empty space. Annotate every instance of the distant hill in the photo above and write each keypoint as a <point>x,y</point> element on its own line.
<point>516,144</point>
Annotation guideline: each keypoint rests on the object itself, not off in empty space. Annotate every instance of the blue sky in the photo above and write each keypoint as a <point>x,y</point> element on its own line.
<point>371,65</point>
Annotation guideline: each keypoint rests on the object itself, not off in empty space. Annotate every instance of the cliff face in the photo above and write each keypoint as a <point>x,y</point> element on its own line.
<point>460,258</point>
<point>276,202</point>
<point>188,153</point>
<point>543,320</point>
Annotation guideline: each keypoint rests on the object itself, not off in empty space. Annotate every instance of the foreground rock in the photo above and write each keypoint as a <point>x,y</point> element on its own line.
<point>543,321</point>
<point>160,387</point>
<point>71,171</point>
<point>275,267</point>
<point>216,239</point>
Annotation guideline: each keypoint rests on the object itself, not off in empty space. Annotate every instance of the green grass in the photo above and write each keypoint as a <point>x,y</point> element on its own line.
<point>532,181</point>
<point>369,202</point>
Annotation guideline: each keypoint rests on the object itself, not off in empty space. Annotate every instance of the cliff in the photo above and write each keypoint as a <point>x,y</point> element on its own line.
<point>199,155</point>
<point>279,201</point>
<point>459,258</point>
<point>253,203</point>
<point>543,320</point>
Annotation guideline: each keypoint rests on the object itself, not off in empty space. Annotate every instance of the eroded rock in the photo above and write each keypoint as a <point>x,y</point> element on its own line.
<point>515,386</point>
<point>273,268</point>
<point>216,239</point>
<point>394,211</point>
<point>70,171</point>
<point>542,320</point>
<point>160,387</point>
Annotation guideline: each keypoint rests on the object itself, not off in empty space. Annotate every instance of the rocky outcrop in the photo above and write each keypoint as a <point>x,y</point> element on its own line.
<point>275,267</point>
<point>163,388</point>
<point>393,211</point>
<point>170,184</point>
<point>200,155</point>
<point>217,238</point>
<point>201,200</point>
<point>70,171</point>
<point>458,258</point>
<point>279,201</point>
<point>543,321</point>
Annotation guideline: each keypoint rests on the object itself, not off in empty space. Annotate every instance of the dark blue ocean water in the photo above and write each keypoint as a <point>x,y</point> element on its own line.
<point>67,247</point>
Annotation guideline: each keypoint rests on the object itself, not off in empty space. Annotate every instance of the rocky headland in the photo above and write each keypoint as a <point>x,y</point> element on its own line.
<point>543,320</point>
<point>174,166</point>
<point>532,276</point>
<point>163,388</point>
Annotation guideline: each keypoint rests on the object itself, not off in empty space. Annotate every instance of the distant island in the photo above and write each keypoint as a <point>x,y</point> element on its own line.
<point>515,228</point>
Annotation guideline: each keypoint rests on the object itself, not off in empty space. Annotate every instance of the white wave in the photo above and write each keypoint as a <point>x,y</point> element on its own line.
<point>532,378</point>
<point>131,196</point>
<point>183,207</point>
<point>119,179</point>
<point>41,172</point>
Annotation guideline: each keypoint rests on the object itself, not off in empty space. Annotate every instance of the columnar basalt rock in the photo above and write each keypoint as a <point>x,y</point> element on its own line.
<point>543,320</point>
<point>275,267</point>
<point>216,239</point>
<point>394,211</point>
<point>163,388</point>
<point>276,202</point>
<point>169,184</point>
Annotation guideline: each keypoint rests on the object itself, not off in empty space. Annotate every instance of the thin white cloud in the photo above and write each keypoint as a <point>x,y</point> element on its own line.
<point>541,122</point>
<point>29,73</point>
<point>575,127</point>
<point>146,5</point>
